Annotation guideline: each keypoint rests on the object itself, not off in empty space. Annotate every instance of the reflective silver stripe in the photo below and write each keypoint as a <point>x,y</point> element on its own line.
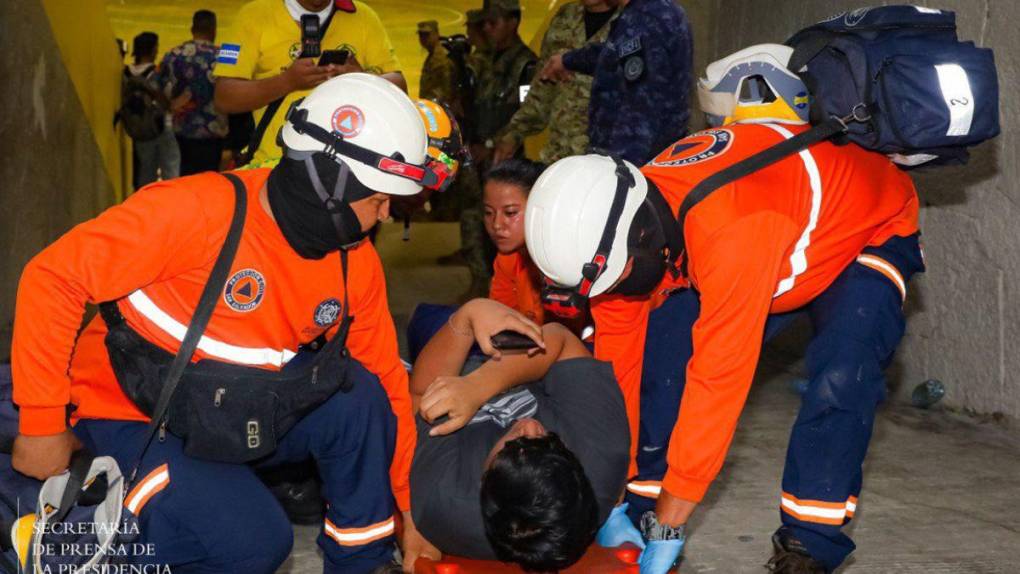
<point>887,269</point>
<point>956,92</point>
<point>211,347</point>
<point>798,259</point>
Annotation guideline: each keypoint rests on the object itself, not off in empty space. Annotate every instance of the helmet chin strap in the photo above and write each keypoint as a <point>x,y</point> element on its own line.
<point>345,221</point>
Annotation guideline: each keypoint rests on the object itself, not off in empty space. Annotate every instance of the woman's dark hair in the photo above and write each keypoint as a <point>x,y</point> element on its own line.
<point>520,172</point>
<point>538,505</point>
<point>144,45</point>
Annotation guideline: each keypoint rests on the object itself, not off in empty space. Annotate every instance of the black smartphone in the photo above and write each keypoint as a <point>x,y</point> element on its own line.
<point>512,341</point>
<point>310,36</point>
<point>337,57</point>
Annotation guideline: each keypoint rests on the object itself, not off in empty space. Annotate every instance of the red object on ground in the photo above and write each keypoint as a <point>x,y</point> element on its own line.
<point>597,560</point>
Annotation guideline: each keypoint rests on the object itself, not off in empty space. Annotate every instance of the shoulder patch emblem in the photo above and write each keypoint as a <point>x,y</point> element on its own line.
<point>228,54</point>
<point>701,146</point>
<point>244,290</point>
<point>630,46</point>
<point>327,312</point>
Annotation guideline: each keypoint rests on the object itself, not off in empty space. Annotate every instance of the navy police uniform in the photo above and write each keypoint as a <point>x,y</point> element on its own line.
<point>642,76</point>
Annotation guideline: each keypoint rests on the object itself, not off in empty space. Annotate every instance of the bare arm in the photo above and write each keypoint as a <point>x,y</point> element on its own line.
<point>442,392</point>
<point>235,95</point>
<point>397,79</point>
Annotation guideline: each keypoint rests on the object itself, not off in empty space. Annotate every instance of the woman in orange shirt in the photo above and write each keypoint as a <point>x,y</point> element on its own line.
<point>516,282</point>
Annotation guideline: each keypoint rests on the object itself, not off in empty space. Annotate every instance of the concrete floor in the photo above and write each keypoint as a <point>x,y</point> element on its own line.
<point>941,492</point>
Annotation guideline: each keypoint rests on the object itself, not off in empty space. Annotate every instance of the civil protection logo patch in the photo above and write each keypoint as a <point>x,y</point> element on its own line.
<point>698,147</point>
<point>327,312</point>
<point>244,290</point>
<point>348,120</point>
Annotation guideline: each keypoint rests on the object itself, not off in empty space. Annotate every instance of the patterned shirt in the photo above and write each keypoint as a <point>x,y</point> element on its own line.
<point>190,67</point>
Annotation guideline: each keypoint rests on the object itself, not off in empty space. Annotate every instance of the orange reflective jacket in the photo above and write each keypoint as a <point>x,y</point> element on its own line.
<point>154,254</point>
<point>769,242</point>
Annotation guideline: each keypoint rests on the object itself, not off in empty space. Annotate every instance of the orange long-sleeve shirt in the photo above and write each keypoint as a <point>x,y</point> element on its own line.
<point>770,242</point>
<point>517,283</point>
<point>154,253</point>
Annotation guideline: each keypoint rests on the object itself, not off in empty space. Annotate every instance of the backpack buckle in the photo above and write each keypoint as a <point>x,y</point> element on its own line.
<point>860,114</point>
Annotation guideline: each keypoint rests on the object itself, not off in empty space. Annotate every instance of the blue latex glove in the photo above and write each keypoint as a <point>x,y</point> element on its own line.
<point>619,529</point>
<point>660,555</point>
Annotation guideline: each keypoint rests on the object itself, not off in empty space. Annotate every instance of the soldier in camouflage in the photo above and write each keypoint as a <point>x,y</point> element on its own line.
<point>467,187</point>
<point>500,73</point>
<point>437,73</point>
<point>562,107</point>
<point>641,80</point>
<point>511,65</point>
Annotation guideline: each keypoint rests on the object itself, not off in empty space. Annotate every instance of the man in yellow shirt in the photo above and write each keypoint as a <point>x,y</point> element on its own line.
<point>259,63</point>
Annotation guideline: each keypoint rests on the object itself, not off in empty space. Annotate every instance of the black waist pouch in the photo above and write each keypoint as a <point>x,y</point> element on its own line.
<point>225,412</point>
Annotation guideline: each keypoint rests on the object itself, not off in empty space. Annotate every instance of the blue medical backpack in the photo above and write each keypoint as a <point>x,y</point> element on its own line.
<point>892,79</point>
<point>912,89</point>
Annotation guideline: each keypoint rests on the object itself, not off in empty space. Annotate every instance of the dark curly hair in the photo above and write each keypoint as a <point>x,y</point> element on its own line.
<point>520,172</point>
<point>538,505</point>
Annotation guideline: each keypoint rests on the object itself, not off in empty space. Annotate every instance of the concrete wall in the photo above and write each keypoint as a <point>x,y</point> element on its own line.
<point>53,174</point>
<point>964,313</point>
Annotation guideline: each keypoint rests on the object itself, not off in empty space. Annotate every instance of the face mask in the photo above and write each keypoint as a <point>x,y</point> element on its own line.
<point>312,227</point>
<point>296,11</point>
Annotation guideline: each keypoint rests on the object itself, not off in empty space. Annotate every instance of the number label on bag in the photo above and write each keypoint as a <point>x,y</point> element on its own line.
<point>956,92</point>
<point>253,434</point>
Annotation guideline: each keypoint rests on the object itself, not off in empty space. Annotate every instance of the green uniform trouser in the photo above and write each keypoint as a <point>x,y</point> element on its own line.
<point>473,238</point>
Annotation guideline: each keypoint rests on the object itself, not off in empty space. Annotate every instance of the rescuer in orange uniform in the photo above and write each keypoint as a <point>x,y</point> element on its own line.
<point>831,231</point>
<point>353,142</point>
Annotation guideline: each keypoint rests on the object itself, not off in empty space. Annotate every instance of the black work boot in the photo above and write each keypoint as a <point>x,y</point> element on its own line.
<point>789,556</point>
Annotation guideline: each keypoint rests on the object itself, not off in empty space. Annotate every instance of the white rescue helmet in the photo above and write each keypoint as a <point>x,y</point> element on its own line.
<point>754,85</point>
<point>369,124</point>
<point>566,219</point>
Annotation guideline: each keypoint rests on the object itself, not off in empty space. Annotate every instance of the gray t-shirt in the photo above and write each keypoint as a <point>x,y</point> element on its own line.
<point>578,399</point>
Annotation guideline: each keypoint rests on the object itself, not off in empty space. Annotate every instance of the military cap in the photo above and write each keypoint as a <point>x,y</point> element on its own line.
<point>428,26</point>
<point>496,8</point>
<point>476,16</point>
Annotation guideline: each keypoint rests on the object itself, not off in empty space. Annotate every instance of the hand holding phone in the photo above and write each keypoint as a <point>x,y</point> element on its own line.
<point>512,341</point>
<point>334,57</point>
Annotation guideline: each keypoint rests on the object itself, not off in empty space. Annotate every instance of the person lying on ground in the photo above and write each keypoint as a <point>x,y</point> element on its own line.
<point>521,459</point>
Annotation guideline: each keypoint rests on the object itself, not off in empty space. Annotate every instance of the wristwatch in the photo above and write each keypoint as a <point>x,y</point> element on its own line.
<point>651,530</point>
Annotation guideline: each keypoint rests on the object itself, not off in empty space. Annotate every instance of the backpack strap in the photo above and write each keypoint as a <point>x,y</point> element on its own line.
<point>752,164</point>
<point>200,318</point>
<point>78,470</point>
<point>260,132</point>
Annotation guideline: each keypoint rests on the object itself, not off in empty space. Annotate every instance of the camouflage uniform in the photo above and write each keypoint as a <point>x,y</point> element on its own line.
<point>500,75</point>
<point>499,85</point>
<point>437,73</point>
<point>641,80</point>
<point>562,107</point>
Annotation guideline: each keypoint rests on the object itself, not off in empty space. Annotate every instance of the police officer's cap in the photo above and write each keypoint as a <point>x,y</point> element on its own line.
<point>428,26</point>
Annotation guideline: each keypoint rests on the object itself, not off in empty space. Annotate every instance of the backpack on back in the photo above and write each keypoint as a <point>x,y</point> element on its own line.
<point>891,79</point>
<point>142,115</point>
<point>914,90</point>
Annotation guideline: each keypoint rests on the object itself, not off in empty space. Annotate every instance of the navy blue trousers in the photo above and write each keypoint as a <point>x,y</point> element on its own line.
<point>857,323</point>
<point>208,517</point>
